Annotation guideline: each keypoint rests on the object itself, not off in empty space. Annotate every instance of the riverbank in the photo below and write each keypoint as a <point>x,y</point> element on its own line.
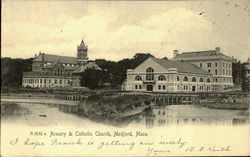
<point>226,106</point>
<point>114,110</point>
<point>10,109</point>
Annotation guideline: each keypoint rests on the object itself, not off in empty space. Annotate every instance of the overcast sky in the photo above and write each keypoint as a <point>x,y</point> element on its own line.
<point>115,30</point>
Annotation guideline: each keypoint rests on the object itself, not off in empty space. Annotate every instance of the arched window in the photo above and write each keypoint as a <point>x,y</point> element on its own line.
<point>201,79</point>
<point>161,78</point>
<point>178,79</point>
<point>185,79</point>
<point>150,70</point>
<point>138,78</point>
<point>150,74</point>
<point>193,79</point>
<point>208,80</point>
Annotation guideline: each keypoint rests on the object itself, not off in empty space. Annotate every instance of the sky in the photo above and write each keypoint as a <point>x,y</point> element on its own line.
<point>114,30</point>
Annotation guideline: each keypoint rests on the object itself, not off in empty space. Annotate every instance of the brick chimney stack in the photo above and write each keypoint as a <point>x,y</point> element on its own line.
<point>176,52</point>
<point>217,49</point>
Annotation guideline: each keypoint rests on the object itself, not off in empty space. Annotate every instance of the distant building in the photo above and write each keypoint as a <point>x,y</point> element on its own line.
<point>162,75</point>
<point>212,61</point>
<point>247,66</point>
<point>246,78</point>
<point>58,71</point>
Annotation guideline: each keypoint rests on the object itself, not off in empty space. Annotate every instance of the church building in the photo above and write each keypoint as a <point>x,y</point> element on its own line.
<point>58,71</point>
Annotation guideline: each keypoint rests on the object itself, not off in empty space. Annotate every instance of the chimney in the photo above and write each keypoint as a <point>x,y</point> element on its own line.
<point>217,49</point>
<point>176,53</point>
<point>42,58</point>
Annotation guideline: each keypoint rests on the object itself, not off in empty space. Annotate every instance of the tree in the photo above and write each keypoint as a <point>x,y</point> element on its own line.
<point>12,71</point>
<point>139,58</point>
<point>92,78</point>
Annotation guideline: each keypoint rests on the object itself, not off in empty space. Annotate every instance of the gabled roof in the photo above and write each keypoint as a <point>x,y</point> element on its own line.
<point>182,66</point>
<point>90,65</point>
<point>201,54</point>
<point>51,58</point>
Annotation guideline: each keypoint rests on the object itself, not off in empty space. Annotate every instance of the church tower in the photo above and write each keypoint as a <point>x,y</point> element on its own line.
<point>82,50</point>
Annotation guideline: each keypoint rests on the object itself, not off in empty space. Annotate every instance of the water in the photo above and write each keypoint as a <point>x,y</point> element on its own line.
<point>189,115</point>
<point>44,115</point>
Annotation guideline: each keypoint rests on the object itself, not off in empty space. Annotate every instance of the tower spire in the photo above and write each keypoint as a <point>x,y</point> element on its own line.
<point>82,50</point>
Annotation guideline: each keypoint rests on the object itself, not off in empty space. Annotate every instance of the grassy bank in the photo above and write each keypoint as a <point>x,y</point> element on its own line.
<point>13,110</point>
<point>225,106</point>
<point>115,110</point>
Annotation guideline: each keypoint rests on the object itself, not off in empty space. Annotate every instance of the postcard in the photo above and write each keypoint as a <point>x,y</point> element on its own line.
<point>125,78</point>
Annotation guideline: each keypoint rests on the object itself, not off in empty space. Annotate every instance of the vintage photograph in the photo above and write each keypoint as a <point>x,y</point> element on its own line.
<point>125,78</point>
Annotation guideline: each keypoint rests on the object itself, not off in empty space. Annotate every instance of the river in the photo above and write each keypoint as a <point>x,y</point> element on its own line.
<point>42,114</point>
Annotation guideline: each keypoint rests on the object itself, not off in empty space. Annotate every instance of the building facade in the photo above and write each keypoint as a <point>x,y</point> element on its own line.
<point>58,71</point>
<point>160,75</point>
<point>212,61</point>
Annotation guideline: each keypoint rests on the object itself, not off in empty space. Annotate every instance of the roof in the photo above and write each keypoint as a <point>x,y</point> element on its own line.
<point>90,65</point>
<point>182,66</point>
<point>52,58</point>
<point>201,54</point>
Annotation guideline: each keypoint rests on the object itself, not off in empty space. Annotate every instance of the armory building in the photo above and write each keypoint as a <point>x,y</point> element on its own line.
<point>202,71</point>
<point>58,71</point>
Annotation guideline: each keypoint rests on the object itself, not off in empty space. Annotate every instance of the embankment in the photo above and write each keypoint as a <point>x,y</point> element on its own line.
<point>9,109</point>
<point>113,109</point>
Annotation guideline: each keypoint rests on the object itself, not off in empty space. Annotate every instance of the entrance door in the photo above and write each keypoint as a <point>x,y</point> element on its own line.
<point>193,88</point>
<point>149,88</point>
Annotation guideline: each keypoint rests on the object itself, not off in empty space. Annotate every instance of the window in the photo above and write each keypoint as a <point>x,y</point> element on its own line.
<point>201,87</point>
<point>138,78</point>
<point>201,65</point>
<point>45,80</point>
<point>60,81</point>
<point>229,65</point>
<point>223,71</point>
<point>185,79</point>
<point>159,86</point>
<point>223,65</point>
<point>209,70</point>
<point>216,80</point>
<point>55,81</point>
<point>193,79</point>
<point>49,80</point>
<point>201,79</point>
<point>139,86</point>
<point>185,87</point>
<point>178,79</point>
<point>41,80</point>
<point>209,65</point>
<point>216,72</point>
<point>150,74</point>
<point>163,87</point>
<point>208,80</point>
<point>161,78</point>
<point>215,64</point>
<point>136,86</point>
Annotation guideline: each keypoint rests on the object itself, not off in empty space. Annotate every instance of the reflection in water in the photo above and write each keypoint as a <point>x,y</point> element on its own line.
<point>191,115</point>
